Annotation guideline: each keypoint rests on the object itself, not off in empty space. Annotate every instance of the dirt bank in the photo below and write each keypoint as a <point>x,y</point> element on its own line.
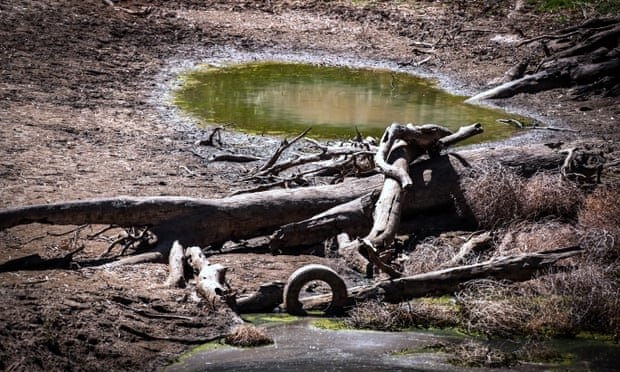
<point>84,113</point>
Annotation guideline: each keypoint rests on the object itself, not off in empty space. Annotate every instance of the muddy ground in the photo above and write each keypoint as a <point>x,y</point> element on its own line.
<point>85,112</point>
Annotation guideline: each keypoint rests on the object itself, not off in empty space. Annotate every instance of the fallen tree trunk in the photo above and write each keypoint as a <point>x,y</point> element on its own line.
<point>515,268</point>
<point>403,144</point>
<point>205,222</point>
<point>193,221</point>
<point>588,58</point>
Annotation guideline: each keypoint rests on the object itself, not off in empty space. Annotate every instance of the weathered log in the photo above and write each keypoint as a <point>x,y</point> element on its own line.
<point>590,63</point>
<point>354,218</point>
<point>532,83</point>
<point>197,221</point>
<point>268,297</point>
<point>514,268</point>
<point>407,143</point>
<point>206,222</point>
<point>176,279</point>
<point>210,279</point>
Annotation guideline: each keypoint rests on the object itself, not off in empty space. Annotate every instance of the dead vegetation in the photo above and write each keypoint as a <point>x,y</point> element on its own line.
<point>477,354</point>
<point>80,97</point>
<point>525,215</point>
<point>248,335</point>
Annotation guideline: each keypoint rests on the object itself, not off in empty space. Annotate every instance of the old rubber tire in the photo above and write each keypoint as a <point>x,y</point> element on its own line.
<point>307,274</point>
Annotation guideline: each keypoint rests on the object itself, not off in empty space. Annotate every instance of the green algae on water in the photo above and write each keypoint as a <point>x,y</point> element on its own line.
<point>286,98</point>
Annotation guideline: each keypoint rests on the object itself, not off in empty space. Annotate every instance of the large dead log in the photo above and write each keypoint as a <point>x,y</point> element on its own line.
<point>193,221</point>
<point>399,147</point>
<point>590,62</point>
<point>205,222</point>
<point>515,268</point>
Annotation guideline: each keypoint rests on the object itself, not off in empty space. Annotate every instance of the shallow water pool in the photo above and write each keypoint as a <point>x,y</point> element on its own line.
<point>286,98</point>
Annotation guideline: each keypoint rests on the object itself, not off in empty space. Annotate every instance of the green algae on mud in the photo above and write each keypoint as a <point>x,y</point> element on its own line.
<point>286,98</point>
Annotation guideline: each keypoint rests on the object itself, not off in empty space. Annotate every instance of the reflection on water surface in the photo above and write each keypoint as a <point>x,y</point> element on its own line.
<point>275,98</point>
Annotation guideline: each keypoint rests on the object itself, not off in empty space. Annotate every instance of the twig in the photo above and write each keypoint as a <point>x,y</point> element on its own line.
<point>234,158</point>
<point>283,146</point>
<point>129,239</point>
<point>323,155</point>
<point>282,182</point>
<point>89,237</point>
<point>548,36</point>
<point>77,229</point>
<point>189,171</point>
<point>513,122</point>
<point>214,136</point>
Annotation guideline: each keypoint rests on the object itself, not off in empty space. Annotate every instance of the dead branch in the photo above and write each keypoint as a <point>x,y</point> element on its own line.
<point>549,37</point>
<point>210,279</point>
<point>323,155</point>
<point>214,137</point>
<point>589,62</point>
<point>236,158</point>
<point>515,268</point>
<point>474,244</point>
<point>407,143</point>
<point>176,278</point>
<point>285,144</point>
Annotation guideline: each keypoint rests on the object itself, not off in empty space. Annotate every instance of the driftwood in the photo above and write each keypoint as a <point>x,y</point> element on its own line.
<point>176,277</point>
<point>200,222</point>
<point>448,281</point>
<point>588,60</point>
<point>300,216</point>
<point>268,297</point>
<point>399,147</point>
<point>210,278</point>
<point>211,222</point>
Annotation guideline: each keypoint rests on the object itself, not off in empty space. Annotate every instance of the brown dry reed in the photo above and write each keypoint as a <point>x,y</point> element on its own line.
<point>476,354</point>
<point>600,216</point>
<point>546,194</point>
<point>380,316</point>
<point>497,196</point>
<point>428,255</point>
<point>491,192</point>
<point>247,335</point>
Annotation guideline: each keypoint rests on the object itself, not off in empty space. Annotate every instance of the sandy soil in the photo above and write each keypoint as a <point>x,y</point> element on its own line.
<point>85,112</point>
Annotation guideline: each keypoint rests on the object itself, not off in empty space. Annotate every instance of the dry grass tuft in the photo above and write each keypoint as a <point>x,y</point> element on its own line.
<point>538,352</point>
<point>589,295</point>
<point>586,298</point>
<point>492,194</point>
<point>547,194</point>
<point>526,236</point>
<point>477,354</point>
<point>428,255</point>
<point>493,308</point>
<point>247,335</point>
<point>380,316</point>
<point>601,212</point>
<point>376,315</point>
